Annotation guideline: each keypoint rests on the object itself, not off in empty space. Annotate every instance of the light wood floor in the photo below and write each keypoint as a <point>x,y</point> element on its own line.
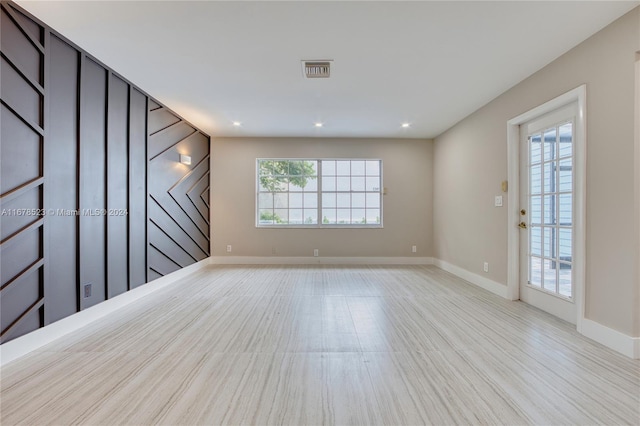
<point>323,345</point>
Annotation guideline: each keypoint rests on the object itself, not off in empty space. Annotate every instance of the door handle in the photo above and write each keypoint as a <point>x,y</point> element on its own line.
<point>522,225</point>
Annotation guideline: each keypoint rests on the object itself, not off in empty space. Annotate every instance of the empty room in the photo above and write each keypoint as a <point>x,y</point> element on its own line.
<point>320,212</point>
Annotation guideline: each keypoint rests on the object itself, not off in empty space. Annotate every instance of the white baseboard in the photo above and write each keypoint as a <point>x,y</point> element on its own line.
<point>22,345</point>
<point>480,281</point>
<point>305,260</point>
<point>619,342</point>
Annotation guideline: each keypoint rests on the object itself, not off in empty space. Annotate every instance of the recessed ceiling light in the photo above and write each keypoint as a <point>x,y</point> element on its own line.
<point>237,123</point>
<point>318,124</point>
<point>405,125</point>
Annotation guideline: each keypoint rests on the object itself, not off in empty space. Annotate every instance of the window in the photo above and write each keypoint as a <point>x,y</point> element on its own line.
<point>319,193</point>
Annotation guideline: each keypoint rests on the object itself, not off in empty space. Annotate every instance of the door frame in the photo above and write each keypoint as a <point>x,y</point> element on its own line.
<point>579,95</point>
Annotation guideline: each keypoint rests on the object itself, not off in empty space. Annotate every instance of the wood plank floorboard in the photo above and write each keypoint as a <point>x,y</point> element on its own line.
<point>311,345</point>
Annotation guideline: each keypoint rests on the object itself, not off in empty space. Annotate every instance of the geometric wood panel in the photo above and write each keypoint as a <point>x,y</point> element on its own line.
<point>21,175</point>
<point>179,224</point>
<point>101,158</point>
<point>61,165</point>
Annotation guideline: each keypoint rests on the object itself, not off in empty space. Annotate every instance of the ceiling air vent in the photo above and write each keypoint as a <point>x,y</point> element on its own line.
<point>316,69</point>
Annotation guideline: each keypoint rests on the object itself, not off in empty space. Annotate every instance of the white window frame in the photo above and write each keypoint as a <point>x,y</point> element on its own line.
<point>319,208</point>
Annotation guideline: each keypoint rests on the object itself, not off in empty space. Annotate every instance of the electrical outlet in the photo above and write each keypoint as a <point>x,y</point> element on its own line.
<point>414,249</point>
<point>229,248</point>
<point>498,201</point>
<point>87,290</point>
<point>315,252</point>
<point>486,266</point>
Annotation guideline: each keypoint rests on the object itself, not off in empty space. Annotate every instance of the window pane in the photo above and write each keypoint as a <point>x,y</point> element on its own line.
<point>357,168</point>
<point>549,144</point>
<point>312,185</point>
<point>281,200</point>
<point>373,216</point>
<point>310,200</point>
<point>281,215</point>
<point>310,216</point>
<point>344,200</point>
<point>328,184</point>
<point>373,199</point>
<point>328,168</point>
<point>328,200</point>
<point>373,168</point>
<point>293,187</point>
<point>535,150</point>
<point>566,140</point>
<point>373,184</point>
<point>358,216</point>
<point>328,216</point>
<point>358,201</point>
<point>295,216</point>
<point>357,183</point>
<point>265,201</point>
<point>295,200</point>
<point>266,217</point>
<point>344,216</point>
<point>288,192</point>
<point>343,184</point>
<point>343,168</point>
<point>565,183</point>
<point>267,184</point>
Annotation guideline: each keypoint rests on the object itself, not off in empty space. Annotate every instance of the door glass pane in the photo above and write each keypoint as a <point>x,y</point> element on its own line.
<point>565,176</point>
<point>535,149</point>
<point>536,179</point>
<point>549,144</point>
<point>549,270</point>
<point>551,204</point>
<point>564,282</point>
<point>536,209</point>
<point>550,177</point>
<point>549,209</point>
<point>535,273</point>
<point>536,241</point>
<point>566,140</point>
<point>565,209</point>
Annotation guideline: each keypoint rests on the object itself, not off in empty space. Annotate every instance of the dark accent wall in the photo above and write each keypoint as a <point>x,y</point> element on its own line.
<point>91,187</point>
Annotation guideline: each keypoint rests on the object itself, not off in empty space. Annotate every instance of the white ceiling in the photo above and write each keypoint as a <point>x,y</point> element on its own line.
<point>424,62</point>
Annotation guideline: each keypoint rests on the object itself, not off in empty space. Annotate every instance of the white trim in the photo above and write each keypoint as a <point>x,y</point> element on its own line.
<point>23,345</point>
<point>475,279</point>
<point>305,260</point>
<point>636,180</point>
<point>579,95</point>
<point>613,339</point>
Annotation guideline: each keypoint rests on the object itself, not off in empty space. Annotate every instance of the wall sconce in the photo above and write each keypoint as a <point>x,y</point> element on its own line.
<point>185,159</point>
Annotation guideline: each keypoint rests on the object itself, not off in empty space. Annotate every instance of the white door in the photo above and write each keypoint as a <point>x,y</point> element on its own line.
<point>547,212</point>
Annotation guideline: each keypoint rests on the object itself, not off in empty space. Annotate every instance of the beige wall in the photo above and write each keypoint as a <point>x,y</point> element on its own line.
<point>470,160</point>
<point>407,174</point>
